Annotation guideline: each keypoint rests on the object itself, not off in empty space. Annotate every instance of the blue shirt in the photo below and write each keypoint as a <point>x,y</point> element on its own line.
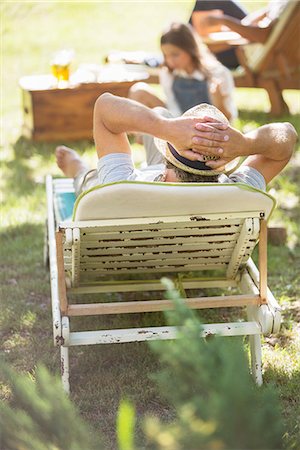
<point>119,167</point>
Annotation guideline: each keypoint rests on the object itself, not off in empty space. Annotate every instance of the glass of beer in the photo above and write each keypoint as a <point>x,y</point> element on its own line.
<point>60,67</point>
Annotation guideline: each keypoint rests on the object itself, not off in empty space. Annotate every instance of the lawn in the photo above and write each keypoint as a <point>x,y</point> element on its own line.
<point>101,376</point>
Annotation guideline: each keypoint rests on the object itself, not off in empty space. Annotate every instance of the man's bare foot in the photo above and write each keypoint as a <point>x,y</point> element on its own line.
<point>69,161</point>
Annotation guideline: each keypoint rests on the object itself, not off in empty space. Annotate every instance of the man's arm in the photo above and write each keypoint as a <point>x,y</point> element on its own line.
<point>253,33</point>
<point>115,116</point>
<point>255,17</point>
<point>267,149</point>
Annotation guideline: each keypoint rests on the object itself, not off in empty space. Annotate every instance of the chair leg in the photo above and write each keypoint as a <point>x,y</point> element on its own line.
<point>256,361</point>
<point>46,247</point>
<point>278,105</point>
<point>64,358</point>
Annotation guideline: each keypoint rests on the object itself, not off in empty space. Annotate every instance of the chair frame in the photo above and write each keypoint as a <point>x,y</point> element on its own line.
<point>66,242</point>
<point>278,65</point>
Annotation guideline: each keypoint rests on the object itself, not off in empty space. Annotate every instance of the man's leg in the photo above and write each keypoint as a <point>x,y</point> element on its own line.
<point>143,93</point>
<point>73,166</point>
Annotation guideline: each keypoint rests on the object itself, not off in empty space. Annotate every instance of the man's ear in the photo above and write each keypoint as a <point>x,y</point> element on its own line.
<point>169,176</point>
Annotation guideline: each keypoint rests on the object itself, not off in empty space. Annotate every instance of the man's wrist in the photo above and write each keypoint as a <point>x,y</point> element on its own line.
<point>164,128</point>
<point>249,146</point>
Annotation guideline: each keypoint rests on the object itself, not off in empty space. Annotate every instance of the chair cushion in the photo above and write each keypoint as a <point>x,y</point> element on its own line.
<point>64,205</point>
<point>127,199</point>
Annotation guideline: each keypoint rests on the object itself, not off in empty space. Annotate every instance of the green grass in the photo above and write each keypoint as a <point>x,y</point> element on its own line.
<point>102,375</point>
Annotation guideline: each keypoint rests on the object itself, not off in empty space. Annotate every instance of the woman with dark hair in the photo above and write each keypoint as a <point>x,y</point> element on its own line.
<point>191,75</point>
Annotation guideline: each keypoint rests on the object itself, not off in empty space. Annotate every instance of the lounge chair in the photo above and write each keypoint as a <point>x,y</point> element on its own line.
<point>274,65</point>
<point>200,235</point>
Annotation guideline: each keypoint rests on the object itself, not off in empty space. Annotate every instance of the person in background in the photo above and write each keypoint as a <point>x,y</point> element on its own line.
<point>255,27</point>
<point>229,7</point>
<point>191,75</point>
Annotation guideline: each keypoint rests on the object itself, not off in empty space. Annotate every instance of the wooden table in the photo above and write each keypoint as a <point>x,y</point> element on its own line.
<point>51,114</point>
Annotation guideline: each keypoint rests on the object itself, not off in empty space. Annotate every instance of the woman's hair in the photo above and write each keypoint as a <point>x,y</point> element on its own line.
<point>182,36</point>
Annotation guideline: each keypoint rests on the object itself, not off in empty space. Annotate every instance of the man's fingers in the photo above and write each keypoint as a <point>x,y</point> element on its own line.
<point>205,119</point>
<point>213,151</point>
<point>191,155</point>
<point>210,138</point>
<point>206,126</point>
<point>211,119</point>
<point>216,164</point>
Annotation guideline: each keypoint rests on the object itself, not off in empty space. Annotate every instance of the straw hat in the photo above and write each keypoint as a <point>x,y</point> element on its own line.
<point>197,167</point>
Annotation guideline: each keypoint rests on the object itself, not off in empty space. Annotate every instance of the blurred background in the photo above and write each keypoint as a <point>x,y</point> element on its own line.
<point>33,31</point>
<point>31,34</point>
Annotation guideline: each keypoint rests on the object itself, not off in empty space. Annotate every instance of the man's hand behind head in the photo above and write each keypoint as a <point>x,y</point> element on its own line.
<point>194,137</point>
<point>227,143</point>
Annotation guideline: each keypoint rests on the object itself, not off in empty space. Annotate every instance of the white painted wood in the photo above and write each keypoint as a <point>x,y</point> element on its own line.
<point>154,220</point>
<point>65,331</point>
<point>65,368</point>
<point>163,233</point>
<point>213,247</point>
<point>256,360</point>
<point>255,345</point>
<point>153,260</point>
<point>180,222</point>
<point>262,313</point>
<point>154,333</point>
<point>273,305</point>
<point>253,271</point>
<point>276,312</point>
<point>68,238</point>
<point>76,235</point>
<point>243,241</point>
<point>140,286</point>
<point>169,240</point>
<point>137,306</point>
<point>206,256</point>
<point>93,275</point>
<point>157,223</point>
<point>76,257</point>
<point>56,318</point>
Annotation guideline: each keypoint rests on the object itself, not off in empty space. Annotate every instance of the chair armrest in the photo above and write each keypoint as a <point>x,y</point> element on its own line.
<point>242,59</point>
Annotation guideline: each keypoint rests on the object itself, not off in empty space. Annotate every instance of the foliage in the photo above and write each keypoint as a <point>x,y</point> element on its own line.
<point>217,404</point>
<point>125,426</point>
<point>93,29</point>
<point>207,380</point>
<point>41,416</point>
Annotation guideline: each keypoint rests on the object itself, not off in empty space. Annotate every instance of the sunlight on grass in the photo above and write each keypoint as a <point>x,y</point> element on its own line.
<point>285,360</point>
<point>32,31</point>
<point>28,319</point>
<point>27,209</point>
<point>257,100</point>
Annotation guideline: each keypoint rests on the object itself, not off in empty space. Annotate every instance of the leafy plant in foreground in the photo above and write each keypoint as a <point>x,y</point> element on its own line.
<point>218,405</point>
<point>41,416</point>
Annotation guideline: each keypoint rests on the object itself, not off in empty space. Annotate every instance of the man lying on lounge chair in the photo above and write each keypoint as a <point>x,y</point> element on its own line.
<point>199,146</point>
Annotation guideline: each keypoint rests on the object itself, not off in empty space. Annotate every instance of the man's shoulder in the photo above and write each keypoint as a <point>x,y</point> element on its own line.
<point>247,175</point>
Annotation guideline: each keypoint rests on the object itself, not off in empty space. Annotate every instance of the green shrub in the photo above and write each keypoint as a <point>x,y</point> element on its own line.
<point>218,405</point>
<point>41,416</point>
